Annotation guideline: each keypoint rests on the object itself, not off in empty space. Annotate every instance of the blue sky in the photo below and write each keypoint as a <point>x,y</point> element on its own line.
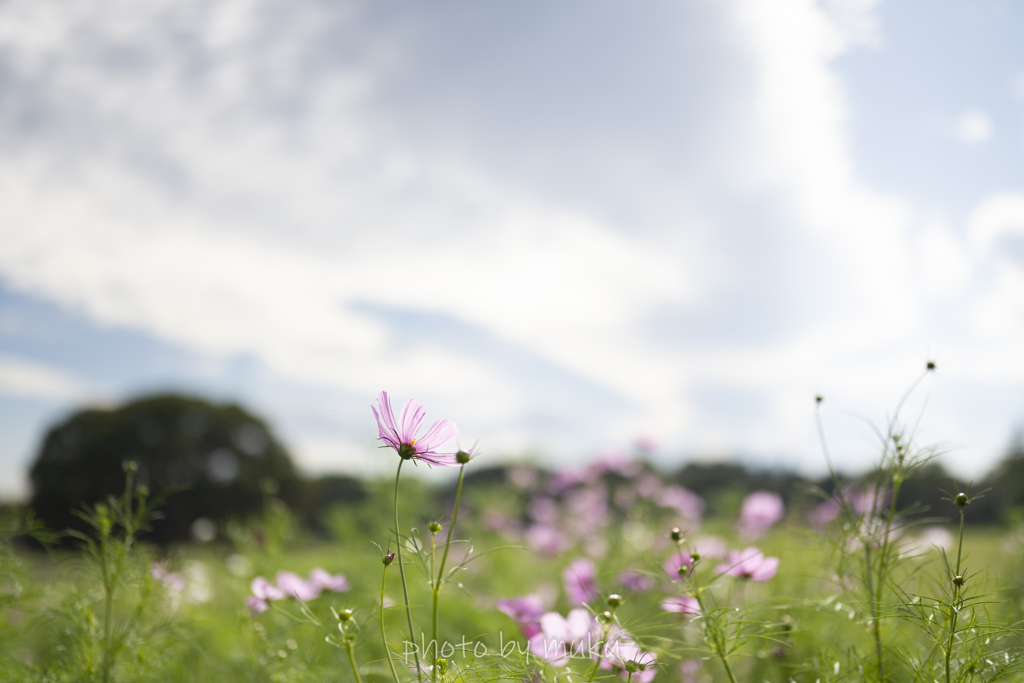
<point>563,225</point>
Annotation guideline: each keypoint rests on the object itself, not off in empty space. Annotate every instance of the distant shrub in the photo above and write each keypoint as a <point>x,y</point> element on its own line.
<point>213,461</point>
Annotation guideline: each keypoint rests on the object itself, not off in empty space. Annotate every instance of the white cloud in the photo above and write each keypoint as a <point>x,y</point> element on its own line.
<point>23,378</point>
<point>973,127</point>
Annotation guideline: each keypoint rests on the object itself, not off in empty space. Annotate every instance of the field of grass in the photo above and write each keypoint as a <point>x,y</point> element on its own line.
<point>864,597</point>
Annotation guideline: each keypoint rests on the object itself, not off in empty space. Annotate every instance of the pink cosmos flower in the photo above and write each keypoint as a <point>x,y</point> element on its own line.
<point>324,580</point>
<point>526,611</point>
<point>681,604</point>
<point>633,662</point>
<point>563,637</point>
<point>580,581</point>
<point>402,435</point>
<point>749,564</point>
<point>760,511</point>
<point>296,587</point>
<point>262,593</point>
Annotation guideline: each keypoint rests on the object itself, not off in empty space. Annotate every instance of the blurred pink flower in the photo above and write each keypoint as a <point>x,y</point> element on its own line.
<point>760,511</point>
<point>710,547</point>
<point>633,662</point>
<point>546,540</point>
<point>295,586</point>
<point>264,590</point>
<point>636,582</point>
<point>565,480</point>
<point>823,514</point>
<point>580,581</point>
<point>256,605</point>
<point>681,604</point>
<point>542,509</point>
<point>324,580</point>
<point>563,637</point>
<point>685,502</point>
<point>676,561</point>
<point>401,436</point>
<point>749,564</point>
<point>689,669</point>
<point>648,486</point>
<point>526,611</point>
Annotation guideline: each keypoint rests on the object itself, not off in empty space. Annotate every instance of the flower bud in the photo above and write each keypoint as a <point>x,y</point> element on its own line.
<point>606,617</point>
<point>959,580</point>
<point>819,398</point>
<point>462,457</point>
<point>676,534</point>
<point>961,499</point>
<point>388,559</point>
<point>434,527</point>
<point>130,466</point>
<point>930,365</point>
<point>614,600</point>
<point>345,615</point>
<point>695,557</point>
<point>682,570</point>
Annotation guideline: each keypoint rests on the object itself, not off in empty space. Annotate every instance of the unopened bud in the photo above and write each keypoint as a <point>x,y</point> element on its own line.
<point>345,614</point>
<point>130,466</point>
<point>930,365</point>
<point>959,580</point>
<point>606,617</point>
<point>434,527</point>
<point>695,557</point>
<point>462,457</point>
<point>676,534</point>
<point>682,570</point>
<point>142,491</point>
<point>388,559</point>
<point>961,499</point>
<point>614,600</point>
<point>819,398</point>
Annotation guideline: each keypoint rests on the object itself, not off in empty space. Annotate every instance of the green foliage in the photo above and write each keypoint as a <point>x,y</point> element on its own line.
<point>213,458</point>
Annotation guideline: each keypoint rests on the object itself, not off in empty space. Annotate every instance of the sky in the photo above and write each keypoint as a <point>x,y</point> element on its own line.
<point>566,226</point>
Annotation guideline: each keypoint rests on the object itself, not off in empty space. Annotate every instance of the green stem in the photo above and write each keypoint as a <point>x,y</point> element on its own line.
<point>352,660</point>
<point>447,546</point>
<point>383,633</point>
<point>956,596</point>
<point>728,670</point>
<point>401,571</point>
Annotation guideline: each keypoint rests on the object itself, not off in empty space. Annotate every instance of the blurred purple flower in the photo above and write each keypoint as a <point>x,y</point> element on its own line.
<point>264,590</point>
<point>562,637</point>
<point>689,670</point>
<point>750,564</point>
<point>401,436</point>
<point>677,560</point>
<point>648,486</point>
<point>564,480</point>
<point>546,540</point>
<point>633,662</point>
<point>685,502</point>
<point>580,581</point>
<point>295,586</point>
<point>710,547</point>
<point>823,514</point>
<point>543,510</point>
<point>760,511</point>
<point>526,611</point>
<point>636,582</point>
<point>324,580</point>
<point>616,463</point>
<point>256,605</point>
<point>681,604</point>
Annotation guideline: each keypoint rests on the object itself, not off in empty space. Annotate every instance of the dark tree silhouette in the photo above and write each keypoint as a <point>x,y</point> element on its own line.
<point>212,460</point>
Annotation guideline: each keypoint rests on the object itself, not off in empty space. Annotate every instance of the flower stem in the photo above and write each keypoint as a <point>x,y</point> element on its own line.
<point>352,660</point>
<point>447,546</point>
<point>956,596</point>
<point>401,571</point>
<point>383,633</point>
